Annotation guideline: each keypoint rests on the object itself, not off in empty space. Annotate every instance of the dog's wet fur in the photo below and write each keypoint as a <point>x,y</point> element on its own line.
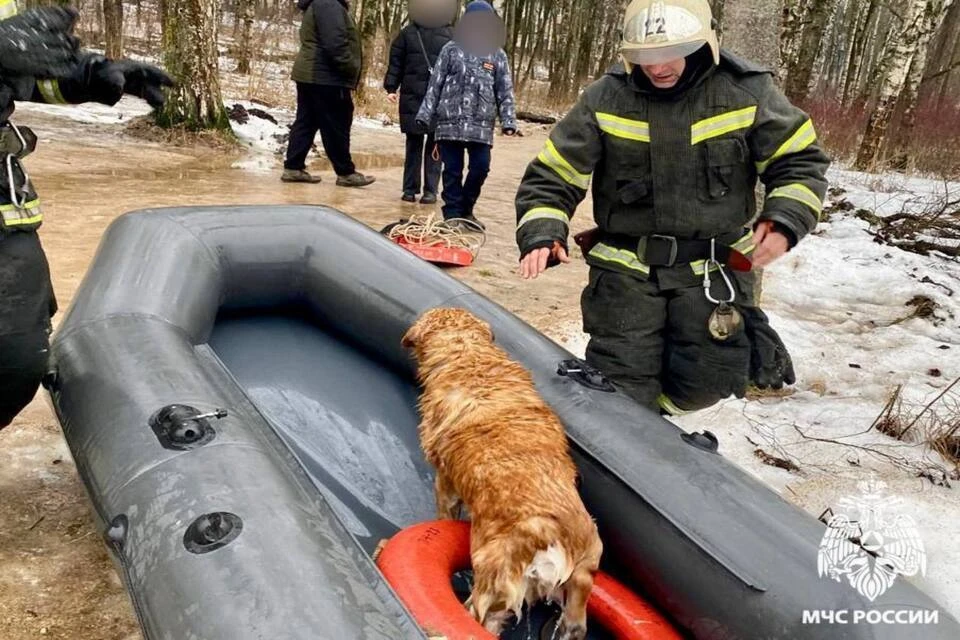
<point>501,451</point>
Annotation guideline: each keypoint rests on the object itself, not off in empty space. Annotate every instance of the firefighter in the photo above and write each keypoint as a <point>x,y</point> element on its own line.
<point>40,61</point>
<point>675,137</point>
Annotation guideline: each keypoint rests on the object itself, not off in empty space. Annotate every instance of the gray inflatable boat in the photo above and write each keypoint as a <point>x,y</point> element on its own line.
<point>232,387</point>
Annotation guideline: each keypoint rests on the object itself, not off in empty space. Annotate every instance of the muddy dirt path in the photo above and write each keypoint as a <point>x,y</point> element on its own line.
<point>56,579</point>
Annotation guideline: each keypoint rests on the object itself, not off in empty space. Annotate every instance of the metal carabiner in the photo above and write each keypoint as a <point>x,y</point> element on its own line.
<point>21,201</point>
<point>706,276</point>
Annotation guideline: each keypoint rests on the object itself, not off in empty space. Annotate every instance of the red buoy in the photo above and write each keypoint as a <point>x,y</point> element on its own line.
<point>419,561</point>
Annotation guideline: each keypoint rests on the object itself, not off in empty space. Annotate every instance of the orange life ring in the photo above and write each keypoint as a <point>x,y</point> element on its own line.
<point>419,561</point>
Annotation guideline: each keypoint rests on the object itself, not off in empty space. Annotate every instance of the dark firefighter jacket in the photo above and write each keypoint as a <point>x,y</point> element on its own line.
<point>685,164</point>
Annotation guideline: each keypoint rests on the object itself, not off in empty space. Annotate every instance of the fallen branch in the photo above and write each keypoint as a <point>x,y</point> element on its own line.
<point>529,116</point>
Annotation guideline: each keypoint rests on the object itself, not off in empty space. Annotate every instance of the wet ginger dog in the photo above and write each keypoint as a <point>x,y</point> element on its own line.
<point>501,451</point>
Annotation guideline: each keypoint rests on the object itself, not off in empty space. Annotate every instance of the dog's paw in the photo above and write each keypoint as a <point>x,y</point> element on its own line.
<point>570,631</point>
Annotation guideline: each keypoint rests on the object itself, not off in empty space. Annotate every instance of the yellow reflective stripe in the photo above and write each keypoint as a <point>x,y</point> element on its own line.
<point>800,193</point>
<point>50,89</point>
<point>18,217</point>
<point>8,9</point>
<point>669,406</point>
<point>623,257</point>
<point>539,213</point>
<point>744,245</point>
<point>723,123</point>
<point>637,130</point>
<point>552,158</point>
<point>800,140</point>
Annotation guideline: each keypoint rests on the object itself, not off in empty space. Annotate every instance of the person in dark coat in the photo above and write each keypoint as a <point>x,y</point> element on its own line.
<point>326,70</point>
<point>471,85</point>
<point>413,54</point>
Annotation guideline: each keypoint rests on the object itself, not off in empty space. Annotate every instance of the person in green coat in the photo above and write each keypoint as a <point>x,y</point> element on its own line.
<point>327,70</point>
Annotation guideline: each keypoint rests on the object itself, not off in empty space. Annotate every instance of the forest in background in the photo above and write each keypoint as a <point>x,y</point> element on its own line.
<point>880,78</point>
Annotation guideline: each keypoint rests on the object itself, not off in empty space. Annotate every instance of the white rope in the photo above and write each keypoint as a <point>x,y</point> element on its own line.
<point>430,229</point>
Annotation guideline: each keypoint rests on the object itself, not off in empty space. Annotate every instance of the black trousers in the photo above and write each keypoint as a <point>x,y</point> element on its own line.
<point>420,159</point>
<point>26,306</point>
<point>460,194</point>
<point>328,110</point>
<point>653,342</point>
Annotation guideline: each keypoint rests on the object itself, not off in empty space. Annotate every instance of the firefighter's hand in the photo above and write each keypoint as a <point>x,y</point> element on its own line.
<point>535,262</point>
<point>111,79</point>
<point>38,43</point>
<point>144,81</point>
<point>770,244</point>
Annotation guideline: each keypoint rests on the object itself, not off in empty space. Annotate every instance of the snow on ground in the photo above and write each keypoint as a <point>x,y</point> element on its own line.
<point>267,140</point>
<point>91,112</point>
<point>839,301</point>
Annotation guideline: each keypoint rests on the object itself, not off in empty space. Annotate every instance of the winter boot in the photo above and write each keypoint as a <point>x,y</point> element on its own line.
<point>298,175</point>
<point>355,180</point>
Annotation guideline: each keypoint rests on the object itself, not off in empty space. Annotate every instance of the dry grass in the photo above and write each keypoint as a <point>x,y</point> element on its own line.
<point>936,425</point>
<point>933,147</point>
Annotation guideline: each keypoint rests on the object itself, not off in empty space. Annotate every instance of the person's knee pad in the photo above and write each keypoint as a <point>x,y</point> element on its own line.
<point>22,367</point>
<point>697,376</point>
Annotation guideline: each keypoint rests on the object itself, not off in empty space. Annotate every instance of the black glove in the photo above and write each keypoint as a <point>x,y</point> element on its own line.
<point>108,80</point>
<point>144,81</point>
<point>770,363</point>
<point>38,43</point>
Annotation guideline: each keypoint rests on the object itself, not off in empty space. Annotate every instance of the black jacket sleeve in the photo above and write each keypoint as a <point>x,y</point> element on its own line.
<point>335,35</point>
<point>398,59</point>
<point>89,82</point>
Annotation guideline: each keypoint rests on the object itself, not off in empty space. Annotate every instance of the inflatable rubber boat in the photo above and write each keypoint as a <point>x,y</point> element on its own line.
<point>231,384</point>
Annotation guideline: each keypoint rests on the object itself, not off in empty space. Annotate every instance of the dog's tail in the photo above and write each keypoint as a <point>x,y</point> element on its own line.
<point>529,564</point>
<point>550,568</point>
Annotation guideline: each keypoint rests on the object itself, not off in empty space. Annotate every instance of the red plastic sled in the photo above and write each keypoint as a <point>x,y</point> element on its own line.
<point>438,253</point>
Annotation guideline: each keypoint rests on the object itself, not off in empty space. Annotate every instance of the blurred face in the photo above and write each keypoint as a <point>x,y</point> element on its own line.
<point>433,13</point>
<point>666,75</point>
<point>480,33</point>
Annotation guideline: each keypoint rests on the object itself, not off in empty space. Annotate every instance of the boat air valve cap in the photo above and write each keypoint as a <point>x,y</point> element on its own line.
<point>212,531</point>
<point>181,427</point>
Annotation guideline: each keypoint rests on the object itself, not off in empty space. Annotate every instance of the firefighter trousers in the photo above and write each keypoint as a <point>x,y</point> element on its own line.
<point>653,342</point>
<point>26,305</point>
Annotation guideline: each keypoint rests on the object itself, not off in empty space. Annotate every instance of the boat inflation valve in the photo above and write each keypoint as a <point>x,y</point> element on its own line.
<point>116,533</point>
<point>212,531</point>
<point>586,375</point>
<point>51,380</point>
<point>181,427</point>
<point>706,441</point>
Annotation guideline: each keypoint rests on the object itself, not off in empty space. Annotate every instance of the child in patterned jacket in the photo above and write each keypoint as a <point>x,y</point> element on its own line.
<point>469,87</point>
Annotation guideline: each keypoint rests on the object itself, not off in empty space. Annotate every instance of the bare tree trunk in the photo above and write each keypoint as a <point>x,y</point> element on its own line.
<point>933,17</point>
<point>856,53</point>
<point>800,74</point>
<point>244,17</point>
<point>367,27</point>
<point>791,32</point>
<point>113,28</point>
<point>941,66</point>
<point>894,67</point>
<point>751,28</point>
<point>190,56</point>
